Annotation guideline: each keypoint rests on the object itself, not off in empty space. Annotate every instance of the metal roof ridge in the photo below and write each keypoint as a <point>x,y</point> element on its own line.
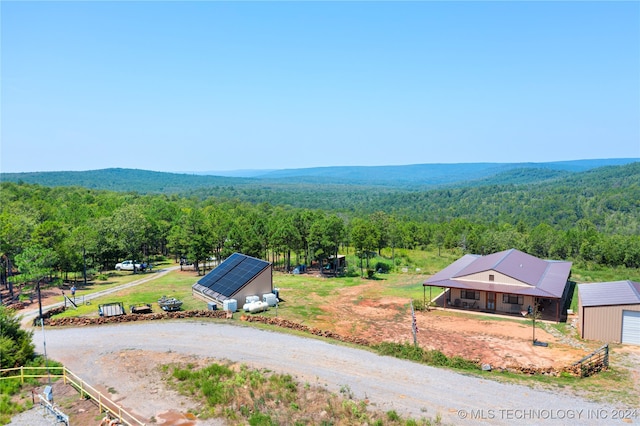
<point>503,258</point>
<point>634,289</point>
<point>543,275</point>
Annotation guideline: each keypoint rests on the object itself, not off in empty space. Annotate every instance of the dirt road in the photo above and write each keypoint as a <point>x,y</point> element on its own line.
<point>112,356</point>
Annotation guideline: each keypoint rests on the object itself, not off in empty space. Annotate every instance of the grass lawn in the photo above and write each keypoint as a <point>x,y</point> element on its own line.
<point>173,284</point>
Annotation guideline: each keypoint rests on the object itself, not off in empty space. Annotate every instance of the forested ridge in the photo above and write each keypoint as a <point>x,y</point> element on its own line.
<point>590,217</point>
<point>414,177</point>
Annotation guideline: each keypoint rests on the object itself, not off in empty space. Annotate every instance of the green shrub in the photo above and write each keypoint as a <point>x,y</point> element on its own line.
<point>16,346</point>
<point>393,415</point>
<point>215,392</point>
<point>437,358</point>
<point>260,419</point>
<point>352,271</point>
<point>416,353</point>
<point>7,408</point>
<point>462,364</point>
<point>382,268</point>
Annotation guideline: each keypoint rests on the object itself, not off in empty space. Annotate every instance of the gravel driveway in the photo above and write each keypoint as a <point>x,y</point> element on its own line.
<point>389,384</point>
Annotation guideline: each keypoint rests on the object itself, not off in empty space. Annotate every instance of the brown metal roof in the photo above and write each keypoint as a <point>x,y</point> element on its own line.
<point>609,293</point>
<point>544,278</point>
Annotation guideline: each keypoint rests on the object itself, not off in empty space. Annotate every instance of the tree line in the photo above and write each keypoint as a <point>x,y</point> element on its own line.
<point>70,227</point>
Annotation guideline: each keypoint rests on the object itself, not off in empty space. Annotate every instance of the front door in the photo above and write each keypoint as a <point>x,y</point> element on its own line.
<point>491,301</point>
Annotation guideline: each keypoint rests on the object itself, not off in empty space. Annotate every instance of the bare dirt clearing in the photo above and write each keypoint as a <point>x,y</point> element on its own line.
<point>497,341</point>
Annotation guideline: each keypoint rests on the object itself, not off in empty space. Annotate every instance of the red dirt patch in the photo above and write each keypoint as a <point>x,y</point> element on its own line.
<point>499,342</point>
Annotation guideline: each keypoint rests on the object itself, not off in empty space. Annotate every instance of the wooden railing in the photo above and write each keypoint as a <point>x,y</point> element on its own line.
<point>594,362</point>
<point>85,390</point>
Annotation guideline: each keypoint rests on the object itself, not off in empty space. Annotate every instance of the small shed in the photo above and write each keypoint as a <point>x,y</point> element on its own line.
<point>610,311</point>
<point>334,264</point>
<point>236,278</point>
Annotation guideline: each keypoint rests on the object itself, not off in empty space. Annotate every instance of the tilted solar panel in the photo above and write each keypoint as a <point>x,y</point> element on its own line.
<point>221,270</point>
<point>232,274</point>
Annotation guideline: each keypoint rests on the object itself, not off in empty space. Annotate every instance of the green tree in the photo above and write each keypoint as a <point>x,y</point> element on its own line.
<point>381,221</point>
<point>284,236</point>
<point>219,222</point>
<point>364,237</point>
<point>303,220</point>
<point>325,236</point>
<point>131,229</point>
<point>35,263</point>
<point>540,240</point>
<point>198,237</point>
<point>16,346</point>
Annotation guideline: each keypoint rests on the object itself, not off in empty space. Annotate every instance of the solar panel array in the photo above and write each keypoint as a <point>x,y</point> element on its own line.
<point>232,274</point>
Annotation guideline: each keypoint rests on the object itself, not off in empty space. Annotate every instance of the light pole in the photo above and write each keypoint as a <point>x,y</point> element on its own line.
<point>532,313</point>
<point>84,268</point>
<point>44,341</point>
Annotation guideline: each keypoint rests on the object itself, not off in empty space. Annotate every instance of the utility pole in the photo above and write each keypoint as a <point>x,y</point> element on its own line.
<point>39,301</point>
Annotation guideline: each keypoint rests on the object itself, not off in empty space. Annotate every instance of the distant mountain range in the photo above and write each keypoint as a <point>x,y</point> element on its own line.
<point>429,174</point>
<point>409,177</point>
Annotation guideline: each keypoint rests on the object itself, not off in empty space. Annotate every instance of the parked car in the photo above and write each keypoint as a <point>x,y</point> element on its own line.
<point>128,265</point>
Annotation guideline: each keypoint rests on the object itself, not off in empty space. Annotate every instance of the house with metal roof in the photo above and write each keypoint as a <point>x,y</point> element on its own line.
<point>610,311</point>
<point>506,282</point>
<point>238,277</point>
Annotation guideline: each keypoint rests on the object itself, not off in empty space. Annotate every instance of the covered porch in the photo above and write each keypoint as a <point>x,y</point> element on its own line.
<point>548,309</point>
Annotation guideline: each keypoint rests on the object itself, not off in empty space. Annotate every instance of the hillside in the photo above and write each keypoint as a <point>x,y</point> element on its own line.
<point>409,177</point>
<point>124,180</point>
<point>432,174</point>
<point>607,196</point>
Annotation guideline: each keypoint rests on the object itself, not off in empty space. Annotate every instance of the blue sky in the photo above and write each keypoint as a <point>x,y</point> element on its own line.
<point>209,86</point>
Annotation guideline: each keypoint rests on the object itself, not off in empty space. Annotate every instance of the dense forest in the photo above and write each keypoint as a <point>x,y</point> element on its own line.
<point>591,216</point>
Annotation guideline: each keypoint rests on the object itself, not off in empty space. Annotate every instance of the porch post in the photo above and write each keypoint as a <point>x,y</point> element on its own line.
<point>444,298</point>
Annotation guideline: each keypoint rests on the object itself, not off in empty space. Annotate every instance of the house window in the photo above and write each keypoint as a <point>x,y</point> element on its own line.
<point>491,277</point>
<point>470,294</point>
<point>513,299</point>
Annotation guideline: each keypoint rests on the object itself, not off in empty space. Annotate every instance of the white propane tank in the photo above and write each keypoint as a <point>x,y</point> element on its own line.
<point>258,307</point>
<point>250,299</point>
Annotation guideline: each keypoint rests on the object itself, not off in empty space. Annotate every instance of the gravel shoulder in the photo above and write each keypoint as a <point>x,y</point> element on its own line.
<point>111,357</point>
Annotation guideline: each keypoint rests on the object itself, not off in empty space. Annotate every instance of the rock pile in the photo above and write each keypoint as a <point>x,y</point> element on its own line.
<point>83,321</point>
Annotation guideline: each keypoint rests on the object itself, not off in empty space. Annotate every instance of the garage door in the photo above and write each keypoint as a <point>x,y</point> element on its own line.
<point>631,327</point>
